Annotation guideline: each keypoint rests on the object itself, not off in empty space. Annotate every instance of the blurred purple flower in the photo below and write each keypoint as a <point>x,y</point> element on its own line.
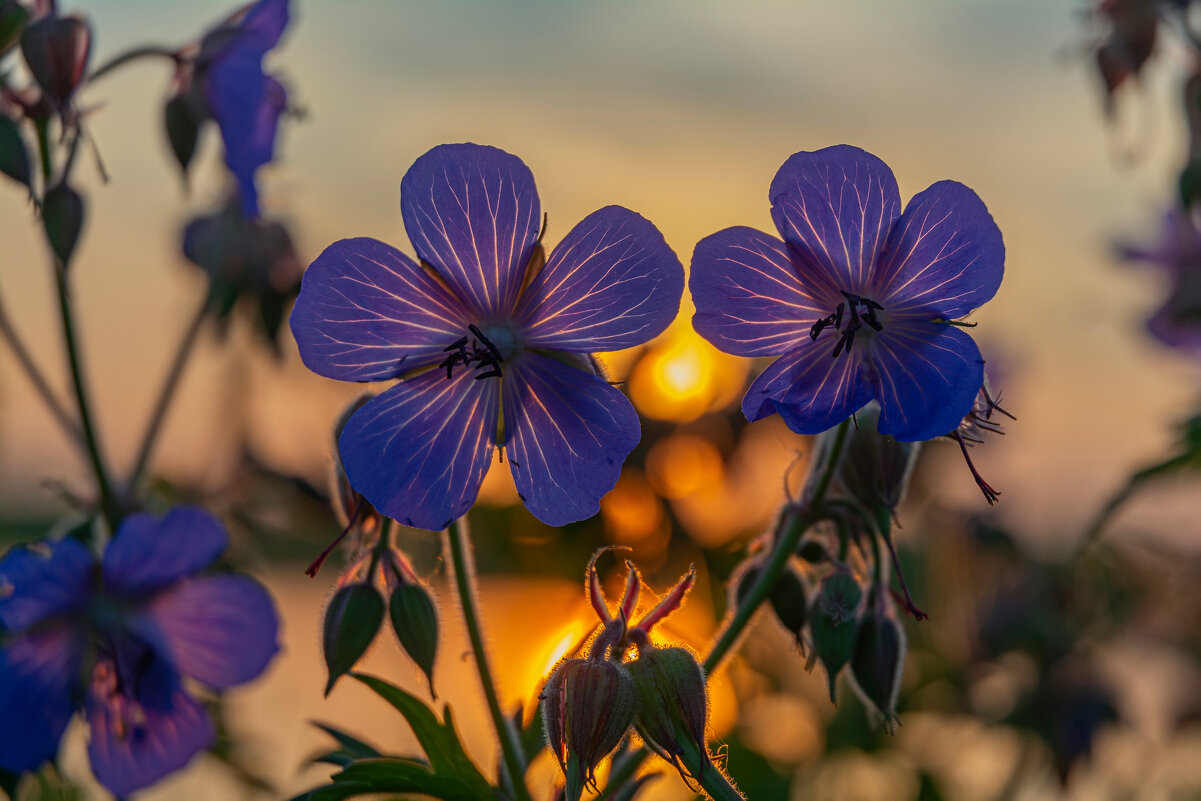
<point>480,325</point>
<point>857,299</point>
<point>1177,323</point>
<point>245,102</point>
<point>116,639</point>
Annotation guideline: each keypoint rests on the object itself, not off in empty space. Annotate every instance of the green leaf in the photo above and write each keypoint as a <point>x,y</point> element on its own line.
<point>350,744</point>
<point>439,739</point>
<point>352,620</point>
<point>13,17</point>
<point>395,775</point>
<point>533,736</point>
<point>14,157</point>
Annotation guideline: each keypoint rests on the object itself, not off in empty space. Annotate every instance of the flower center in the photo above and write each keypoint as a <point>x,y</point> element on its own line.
<point>484,351</point>
<point>858,313</point>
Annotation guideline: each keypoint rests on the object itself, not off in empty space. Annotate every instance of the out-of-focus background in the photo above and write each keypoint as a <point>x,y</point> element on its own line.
<point>682,111</point>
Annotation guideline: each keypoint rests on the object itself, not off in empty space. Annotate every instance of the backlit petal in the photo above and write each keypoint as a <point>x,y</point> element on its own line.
<point>128,756</point>
<point>835,206</point>
<point>568,433</point>
<point>749,299</point>
<point>367,312</point>
<point>44,580</point>
<point>473,213</point>
<point>37,676</point>
<point>812,390</point>
<point>149,553</point>
<point>944,255</point>
<point>220,630</point>
<point>925,377</point>
<point>419,451</point>
<point>611,283</point>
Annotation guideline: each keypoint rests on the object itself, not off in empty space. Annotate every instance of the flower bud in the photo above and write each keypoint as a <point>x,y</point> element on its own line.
<point>352,620</point>
<point>673,706</point>
<point>875,468</point>
<point>56,49</point>
<point>415,620</point>
<point>879,659</point>
<point>62,217</point>
<point>587,707</point>
<point>787,598</point>
<point>183,129</point>
<point>834,622</point>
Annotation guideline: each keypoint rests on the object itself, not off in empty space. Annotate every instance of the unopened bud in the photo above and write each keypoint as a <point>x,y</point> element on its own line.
<point>834,622</point>
<point>415,621</point>
<point>56,49</point>
<point>62,217</point>
<point>875,468</point>
<point>673,706</point>
<point>183,129</point>
<point>787,598</point>
<point>352,620</point>
<point>587,707</point>
<point>879,659</point>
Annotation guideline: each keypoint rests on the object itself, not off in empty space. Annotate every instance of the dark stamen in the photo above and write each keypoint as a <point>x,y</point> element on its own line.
<point>483,355</point>
<point>861,311</point>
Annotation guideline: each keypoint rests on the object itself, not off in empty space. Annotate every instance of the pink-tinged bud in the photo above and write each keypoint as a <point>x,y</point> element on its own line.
<point>673,706</point>
<point>56,49</point>
<point>879,659</point>
<point>834,622</point>
<point>587,707</point>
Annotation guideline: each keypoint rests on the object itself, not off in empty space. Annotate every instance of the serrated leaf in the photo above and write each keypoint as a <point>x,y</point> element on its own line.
<point>350,744</point>
<point>391,775</point>
<point>439,739</point>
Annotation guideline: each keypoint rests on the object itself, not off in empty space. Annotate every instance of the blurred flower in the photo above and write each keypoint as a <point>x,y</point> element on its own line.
<point>115,640</point>
<point>1128,43</point>
<point>1178,253</point>
<point>483,305</point>
<point>225,81</point>
<point>245,257</point>
<point>886,284</point>
<point>56,50</point>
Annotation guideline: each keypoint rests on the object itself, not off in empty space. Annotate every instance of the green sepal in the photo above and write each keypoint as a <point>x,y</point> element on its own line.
<point>834,622</point>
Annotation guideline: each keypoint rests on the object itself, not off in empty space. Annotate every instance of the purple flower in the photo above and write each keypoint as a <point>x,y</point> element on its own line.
<point>856,301</point>
<point>245,102</point>
<point>1177,323</point>
<point>115,640</point>
<point>491,345</point>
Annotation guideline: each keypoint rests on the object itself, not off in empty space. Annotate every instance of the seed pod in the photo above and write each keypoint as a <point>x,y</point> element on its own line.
<point>673,706</point>
<point>587,707</point>
<point>352,620</point>
<point>415,621</point>
<point>56,49</point>
<point>834,622</point>
<point>879,659</point>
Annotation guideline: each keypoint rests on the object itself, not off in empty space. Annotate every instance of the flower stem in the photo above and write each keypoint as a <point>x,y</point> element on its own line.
<point>464,570</point>
<point>167,393</point>
<point>109,506</point>
<point>9,334</point>
<point>121,59</point>
<point>794,521</point>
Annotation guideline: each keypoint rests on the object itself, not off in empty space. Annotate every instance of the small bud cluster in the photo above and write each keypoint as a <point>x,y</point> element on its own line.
<point>589,705</point>
<point>376,570</point>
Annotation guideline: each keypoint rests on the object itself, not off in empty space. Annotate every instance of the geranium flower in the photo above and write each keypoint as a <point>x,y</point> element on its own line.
<point>492,348</point>
<point>857,300</point>
<point>1177,323</point>
<point>222,77</point>
<point>115,640</point>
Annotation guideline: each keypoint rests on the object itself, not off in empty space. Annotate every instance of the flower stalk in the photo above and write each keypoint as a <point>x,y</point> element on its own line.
<point>459,541</point>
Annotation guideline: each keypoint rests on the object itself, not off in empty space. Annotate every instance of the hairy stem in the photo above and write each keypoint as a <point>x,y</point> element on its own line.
<point>464,570</point>
<point>167,393</point>
<point>793,522</point>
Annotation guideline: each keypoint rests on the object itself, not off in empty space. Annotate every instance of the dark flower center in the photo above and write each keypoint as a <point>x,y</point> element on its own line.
<point>478,353</point>
<point>856,312</point>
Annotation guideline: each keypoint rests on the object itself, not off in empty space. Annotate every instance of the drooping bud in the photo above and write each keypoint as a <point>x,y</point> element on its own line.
<point>879,659</point>
<point>415,620</point>
<point>14,156</point>
<point>183,129</point>
<point>673,706</point>
<point>56,50</point>
<point>352,620</point>
<point>834,622</point>
<point>875,468</point>
<point>587,707</point>
<point>787,598</point>
<point>62,217</point>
